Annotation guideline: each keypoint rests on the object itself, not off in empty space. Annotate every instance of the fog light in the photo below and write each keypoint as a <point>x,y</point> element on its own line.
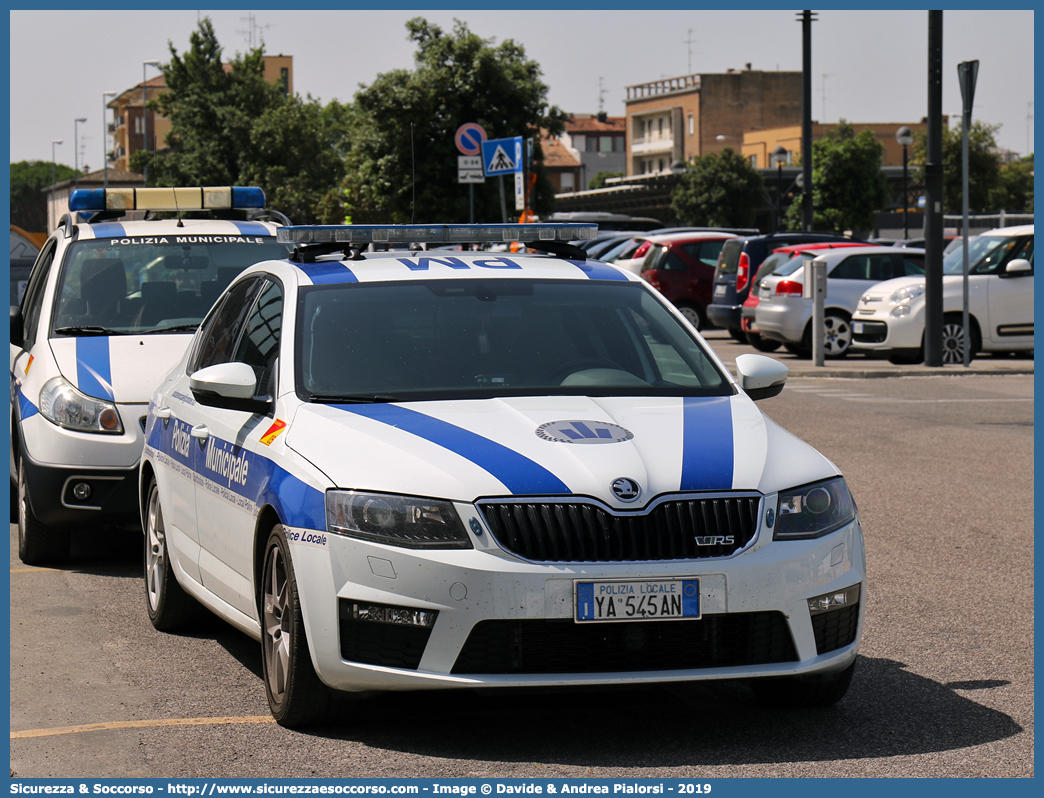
<point>82,491</point>
<point>835,600</point>
<point>399,616</point>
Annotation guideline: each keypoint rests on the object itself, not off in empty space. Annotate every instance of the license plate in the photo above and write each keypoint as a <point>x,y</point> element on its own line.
<point>857,328</point>
<point>637,600</point>
<point>719,290</point>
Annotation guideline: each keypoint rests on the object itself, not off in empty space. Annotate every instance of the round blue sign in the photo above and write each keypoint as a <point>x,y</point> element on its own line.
<point>469,138</point>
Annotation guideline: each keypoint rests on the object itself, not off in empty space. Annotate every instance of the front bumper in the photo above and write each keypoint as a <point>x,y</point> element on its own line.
<point>882,331</point>
<point>505,622</point>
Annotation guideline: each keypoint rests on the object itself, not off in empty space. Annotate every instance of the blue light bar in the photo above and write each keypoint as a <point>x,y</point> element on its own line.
<point>189,198</point>
<point>434,233</point>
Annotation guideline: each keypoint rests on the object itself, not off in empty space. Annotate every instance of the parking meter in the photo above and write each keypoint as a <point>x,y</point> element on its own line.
<point>815,289</point>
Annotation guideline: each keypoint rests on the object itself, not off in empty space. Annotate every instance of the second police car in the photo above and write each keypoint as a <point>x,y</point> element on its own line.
<point>109,307</point>
<point>447,469</point>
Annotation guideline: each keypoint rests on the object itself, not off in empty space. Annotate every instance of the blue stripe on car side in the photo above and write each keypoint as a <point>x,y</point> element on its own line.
<point>26,409</point>
<point>519,474</point>
<point>252,229</point>
<point>598,271</point>
<point>329,272</point>
<point>93,372</point>
<point>707,454</point>
<point>108,230</point>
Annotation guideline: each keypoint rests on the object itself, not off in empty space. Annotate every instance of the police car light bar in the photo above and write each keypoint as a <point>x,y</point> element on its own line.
<point>195,198</point>
<point>358,234</point>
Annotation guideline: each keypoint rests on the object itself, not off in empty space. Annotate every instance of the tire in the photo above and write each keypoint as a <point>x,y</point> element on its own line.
<point>170,607</point>
<point>953,339</point>
<point>798,350</point>
<point>37,542</point>
<point>837,342</point>
<point>694,315</point>
<point>738,335</point>
<point>804,692</point>
<point>296,697</point>
<point>761,343</point>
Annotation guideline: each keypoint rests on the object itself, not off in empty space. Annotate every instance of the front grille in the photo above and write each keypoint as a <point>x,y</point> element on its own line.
<point>562,646</point>
<point>835,629</point>
<point>676,529</point>
<point>371,643</point>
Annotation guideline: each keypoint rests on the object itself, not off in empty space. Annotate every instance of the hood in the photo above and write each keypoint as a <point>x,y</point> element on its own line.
<point>540,446</point>
<point>122,368</point>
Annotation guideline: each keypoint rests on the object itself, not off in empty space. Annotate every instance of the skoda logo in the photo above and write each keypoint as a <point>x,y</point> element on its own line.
<point>626,489</point>
<point>583,432</point>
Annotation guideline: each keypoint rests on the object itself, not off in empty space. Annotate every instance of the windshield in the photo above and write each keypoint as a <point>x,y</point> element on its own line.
<point>771,262</point>
<point>136,285</point>
<point>728,260</point>
<point>985,254</point>
<point>480,339</point>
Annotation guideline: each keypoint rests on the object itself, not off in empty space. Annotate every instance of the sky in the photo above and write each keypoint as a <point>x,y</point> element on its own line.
<point>867,66</point>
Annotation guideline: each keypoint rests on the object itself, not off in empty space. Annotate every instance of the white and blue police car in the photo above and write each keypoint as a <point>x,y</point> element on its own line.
<point>452,469</point>
<point>110,306</point>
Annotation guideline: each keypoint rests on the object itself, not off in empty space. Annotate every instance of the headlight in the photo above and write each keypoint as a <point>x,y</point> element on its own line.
<point>62,404</point>
<point>900,311</point>
<point>812,511</point>
<point>407,521</point>
<point>904,296</point>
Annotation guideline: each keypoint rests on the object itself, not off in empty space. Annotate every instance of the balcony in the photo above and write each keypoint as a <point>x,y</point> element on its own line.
<point>657,88</point>
<point>652,144</point>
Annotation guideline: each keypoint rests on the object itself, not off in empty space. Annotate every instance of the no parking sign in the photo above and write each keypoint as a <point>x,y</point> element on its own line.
<point>469,138</point>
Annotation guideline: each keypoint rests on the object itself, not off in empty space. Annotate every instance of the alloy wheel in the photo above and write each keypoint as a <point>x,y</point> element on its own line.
<point>953,343</point>
<point>838,336</point>
<point>278,617</point>
<point>156,553</point>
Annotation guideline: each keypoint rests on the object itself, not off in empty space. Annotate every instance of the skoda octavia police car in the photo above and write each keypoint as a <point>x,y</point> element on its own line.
<point>439,469</point>
<point>110,306</point>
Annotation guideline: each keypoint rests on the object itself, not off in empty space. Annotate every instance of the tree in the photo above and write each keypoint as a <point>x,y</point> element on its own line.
<point>29,181</point>
<point>1014,190</point>
<point>232,127</point>
<point>598,181</point>
<point>848,187</point>
<point>719,191</point>
<point>402,128</point>
<point>983,167</point>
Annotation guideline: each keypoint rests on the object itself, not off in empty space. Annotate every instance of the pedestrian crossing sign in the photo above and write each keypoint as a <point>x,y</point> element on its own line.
<point>502,156</point>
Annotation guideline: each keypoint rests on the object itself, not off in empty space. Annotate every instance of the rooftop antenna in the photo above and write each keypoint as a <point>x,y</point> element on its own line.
<point>690,42</point>
<point>254,31</point>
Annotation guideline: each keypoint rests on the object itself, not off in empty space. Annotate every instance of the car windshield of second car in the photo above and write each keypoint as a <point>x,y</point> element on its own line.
<point>133,287</point>
<point>480,339</point>
<point>986,253</point>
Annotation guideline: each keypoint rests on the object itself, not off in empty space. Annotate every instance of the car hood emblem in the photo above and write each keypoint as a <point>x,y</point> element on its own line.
<point>583,432</point>
<point>626,489</point>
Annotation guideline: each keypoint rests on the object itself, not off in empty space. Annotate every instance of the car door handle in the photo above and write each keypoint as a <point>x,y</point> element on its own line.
<point>200,432</point>
<point>162,412</point>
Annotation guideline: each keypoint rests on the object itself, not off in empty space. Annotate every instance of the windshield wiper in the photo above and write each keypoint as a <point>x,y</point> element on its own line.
<point>174,328</point>
<point>89,329</point>
<point>334,399</point>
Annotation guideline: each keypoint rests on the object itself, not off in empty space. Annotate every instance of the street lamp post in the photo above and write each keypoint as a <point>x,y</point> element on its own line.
<point>56,141</point>
<point>779,155</point>
<point>105,135</point>
<point>905,138</point>
<point>145,116</point>
<point>76,148</point>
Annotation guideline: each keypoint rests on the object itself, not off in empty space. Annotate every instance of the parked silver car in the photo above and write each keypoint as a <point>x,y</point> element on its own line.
<point>783,314</point>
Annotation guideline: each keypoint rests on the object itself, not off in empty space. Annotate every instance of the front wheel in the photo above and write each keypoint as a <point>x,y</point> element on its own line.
<point>38,543</point>
<point>810,691</point>
<point>169,606</point>
<point>295,694</point>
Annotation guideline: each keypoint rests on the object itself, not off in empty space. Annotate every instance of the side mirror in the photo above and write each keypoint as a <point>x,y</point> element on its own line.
<point>231,386</point>
<point>17,325</point>
<point>760,377</point>
<point>1018,267</point>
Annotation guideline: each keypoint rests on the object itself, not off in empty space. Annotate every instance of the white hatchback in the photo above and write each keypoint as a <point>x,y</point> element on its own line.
<point>110,306</point>
<point>407,470</point>
<point>890,316</point>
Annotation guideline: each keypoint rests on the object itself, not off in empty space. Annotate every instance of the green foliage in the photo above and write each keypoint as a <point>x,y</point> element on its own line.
<point>719,191</point>
<point>598,181</point>
<point>233,127</point>
<point>1014,190</point>
<point>983,167</point>
<point>404,124</point>
<point>848,187</point>
<point>29,181</point>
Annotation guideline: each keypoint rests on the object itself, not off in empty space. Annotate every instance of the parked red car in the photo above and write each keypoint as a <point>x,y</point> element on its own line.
<point>778,257</point>
<point>682,269</point>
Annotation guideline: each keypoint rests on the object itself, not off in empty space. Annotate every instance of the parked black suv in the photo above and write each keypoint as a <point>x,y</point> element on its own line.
<point>737,265</point>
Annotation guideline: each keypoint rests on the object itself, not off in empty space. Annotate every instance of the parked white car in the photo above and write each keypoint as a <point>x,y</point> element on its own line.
<point>406,470</point>
<point>890,315</point>
<point>783,314</point>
